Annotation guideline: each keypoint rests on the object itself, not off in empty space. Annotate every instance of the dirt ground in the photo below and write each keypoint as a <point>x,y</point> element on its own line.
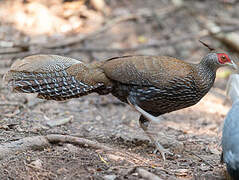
<point>192,134</point>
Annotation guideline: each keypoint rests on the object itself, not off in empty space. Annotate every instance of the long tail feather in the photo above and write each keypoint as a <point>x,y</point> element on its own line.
<point>48,76</point>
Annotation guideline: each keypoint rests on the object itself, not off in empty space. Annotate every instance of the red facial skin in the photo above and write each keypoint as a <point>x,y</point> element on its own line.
<point>223,58</point>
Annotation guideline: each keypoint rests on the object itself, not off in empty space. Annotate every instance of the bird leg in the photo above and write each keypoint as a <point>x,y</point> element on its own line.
<point>148,116</point>
<point>144,121</point>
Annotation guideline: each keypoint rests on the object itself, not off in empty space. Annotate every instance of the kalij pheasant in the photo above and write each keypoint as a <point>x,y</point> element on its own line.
<point>153,85</point>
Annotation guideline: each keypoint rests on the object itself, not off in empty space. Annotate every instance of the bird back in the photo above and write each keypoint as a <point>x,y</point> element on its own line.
<point>155,71</point>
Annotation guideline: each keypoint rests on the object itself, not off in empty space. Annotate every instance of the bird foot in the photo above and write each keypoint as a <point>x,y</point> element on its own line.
<point>162,151</point>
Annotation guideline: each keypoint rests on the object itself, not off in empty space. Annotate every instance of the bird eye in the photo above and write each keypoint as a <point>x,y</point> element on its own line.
<point>223,58</point>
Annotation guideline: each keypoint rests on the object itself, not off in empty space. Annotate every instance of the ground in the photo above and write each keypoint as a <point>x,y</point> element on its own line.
<point>174,28</point>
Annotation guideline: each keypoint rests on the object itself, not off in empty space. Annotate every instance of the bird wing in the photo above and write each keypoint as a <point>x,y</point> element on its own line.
<point>146,70</point>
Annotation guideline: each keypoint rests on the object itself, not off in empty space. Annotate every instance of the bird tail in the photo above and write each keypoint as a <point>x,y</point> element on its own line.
<point>233,87</point>
<point>56,77</point>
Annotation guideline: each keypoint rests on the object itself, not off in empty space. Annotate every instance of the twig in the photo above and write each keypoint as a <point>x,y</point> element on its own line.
<point>10,104</point>
<point>55,138</point>
<point>80,38</point>
<point>38,168</point>
<point>102,159</point>
<point>41,169</point>
<point>11,50</point>
<point>147,175</point>
<point>225,21</point>
<point>19,55</point>
<point>65,51</point>
<point>77,39</point>
<point>162,43</point>
<point>28,143</point>
<point>201,159</point>
<point>224,34</point>
<point>40,142</point>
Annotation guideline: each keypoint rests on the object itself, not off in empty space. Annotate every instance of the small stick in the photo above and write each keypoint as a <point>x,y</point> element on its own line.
<point>55,138</point>
<point>11,50</point>
<point>162,43</point>
<point>40,142</point>
<point>74,40</point>
<point>40,169</point>
<point>201,159</point>
<point>102,159</point>
<point>10,104</point>
<point>24,144</point>
<point>147,175</point>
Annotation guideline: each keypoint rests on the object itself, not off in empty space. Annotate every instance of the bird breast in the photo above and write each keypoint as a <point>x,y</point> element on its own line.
<point>178,94</point>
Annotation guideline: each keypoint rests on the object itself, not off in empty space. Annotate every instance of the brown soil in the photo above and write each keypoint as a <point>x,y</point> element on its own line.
<point>192,134</point>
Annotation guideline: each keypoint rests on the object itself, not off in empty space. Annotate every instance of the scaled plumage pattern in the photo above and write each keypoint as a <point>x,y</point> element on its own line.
<point>153,85</point>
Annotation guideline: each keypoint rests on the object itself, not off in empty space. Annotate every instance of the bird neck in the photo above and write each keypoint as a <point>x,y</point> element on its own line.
<point>206,73</point>
<point>208,64</point>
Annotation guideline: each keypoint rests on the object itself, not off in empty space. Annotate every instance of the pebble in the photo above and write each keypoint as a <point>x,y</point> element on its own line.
<point>58,122</point>
<point>110,177</point>
<point>37,163</point>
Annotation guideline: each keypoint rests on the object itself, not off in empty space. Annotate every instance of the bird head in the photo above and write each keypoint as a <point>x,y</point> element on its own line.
<point>217,58</point>
<point>224,59</point>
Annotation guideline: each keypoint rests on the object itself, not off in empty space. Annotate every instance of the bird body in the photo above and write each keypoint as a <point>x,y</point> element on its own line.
<point>146,79</point>
<point>153,85</point>
<point>230,134</point>
<point>159,84</point>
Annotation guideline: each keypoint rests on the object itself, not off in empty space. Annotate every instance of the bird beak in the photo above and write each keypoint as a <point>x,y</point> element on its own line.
<point>233,65</point>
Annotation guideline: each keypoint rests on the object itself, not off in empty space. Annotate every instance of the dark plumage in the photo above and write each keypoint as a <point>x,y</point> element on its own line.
<point>160,84</point>
<point>153,85</point>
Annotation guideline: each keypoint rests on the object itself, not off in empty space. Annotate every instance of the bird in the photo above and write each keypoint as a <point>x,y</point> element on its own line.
<point>230,133</point>
<point>152,85</point>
